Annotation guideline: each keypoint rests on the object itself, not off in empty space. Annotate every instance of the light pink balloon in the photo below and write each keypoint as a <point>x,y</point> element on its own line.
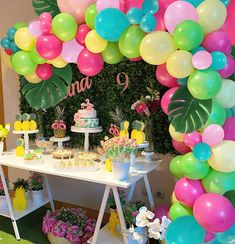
<point>34,28</point>
<point>191,139</point>
<point>103,4</point>
<point>177,12</point>
<point>213,135</point>
<point>44,71</point>
<point>166,99</point>
<point>71,50</point>
<point>202,60</point>
<point>76,8</point>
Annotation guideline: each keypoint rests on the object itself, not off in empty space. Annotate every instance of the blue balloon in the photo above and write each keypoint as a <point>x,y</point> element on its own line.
<point>110,23</point>
<point>148,23</point>
<point>150,6</point>
<point>215,241</point>
<point>185,230</point>
<point>134,15</point>
<point>219,60</point>
<point>227,237</point>
<point>197,50</point>
<point>5,42</point>
<point>11,33</point>
<point>195,3</point>
<point>202,151</point>
<point>183,81</point>
<point>225,2</point>
<point>13,47</point>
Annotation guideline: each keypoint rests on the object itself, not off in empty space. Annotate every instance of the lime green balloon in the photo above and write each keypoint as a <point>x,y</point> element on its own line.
<point>178,210</point>
<point>20,25</point>
<point>22,63</point>
<point>64,26</point>
<point>175,166</point>
<point>219,182</point>
<point>36,58</point>
<point>192,168</point>
<point>112,54</point>
<point>188,35</point>
<point>90,16</point>
<point>204,84</point>
<point>129,43</point>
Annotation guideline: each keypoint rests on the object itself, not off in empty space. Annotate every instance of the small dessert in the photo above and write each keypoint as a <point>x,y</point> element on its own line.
<point>87,156</point>
<point>62,153</point>
<point>81,165</point>
<point>43,143</point>
<point>33,156</point>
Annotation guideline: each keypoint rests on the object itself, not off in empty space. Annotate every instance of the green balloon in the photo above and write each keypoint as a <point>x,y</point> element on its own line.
<point>175,166</point>
<point>112,54</point>
<point>178,210</point>
<point>22,63</point>
<point>188,35</point>
<point>219,182</point>
<point>36,58</point>
<point>129,43</point>
<point>20,25</point>
<point>90,16</point>
<point>192,168</point>
<point>204,84</point>
<point>64,26</point>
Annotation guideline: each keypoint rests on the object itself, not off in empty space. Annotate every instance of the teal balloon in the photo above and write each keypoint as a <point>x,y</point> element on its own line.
<point>135,15</point>
<point>202,151</point>
<point>110,23</point>
<point>219,60</point>
<point>150,6</point>
<point>195,50</point>
<point>195,3</point>
<point>148,23</point>
<point>5,42</point>
<point>229,112</point>
<point>185,230</point>
<point>227,237</point>
<point>225,2</point>
<point>13,47</point>
<point>11,33</point>
<point>183,81</point>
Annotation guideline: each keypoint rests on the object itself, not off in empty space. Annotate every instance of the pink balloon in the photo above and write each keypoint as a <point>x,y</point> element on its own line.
<point>45,26</point>
<point>177,12</point>
<point>229,69</point>
<point>34,29</point>
<point>76,8</point>
<point>217,41</point>
<point>202,60</point>
<point>48,46</point>
<point>89,63</point>
<point>81,34</point>
<point>164,77</point>
<point>209,236</point>
<point>213,135</point>
<point>229,129</point>
<point>71,50</point>
<point>214,212</point>
<point>160,211</point>
<point>44,71</point>
<point>45,16</point>
<point>187,191</point>
<point>103,4</point>
<point>166,99</point>
<point>132,4</point>
<point>191,139</point>
<point>180,147</point>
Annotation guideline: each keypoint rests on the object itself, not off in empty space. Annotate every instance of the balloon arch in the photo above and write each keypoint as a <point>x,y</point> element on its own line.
<point>191,44</point>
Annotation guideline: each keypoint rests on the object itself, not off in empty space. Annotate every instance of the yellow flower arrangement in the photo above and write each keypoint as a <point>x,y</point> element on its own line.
<point>4,131</point>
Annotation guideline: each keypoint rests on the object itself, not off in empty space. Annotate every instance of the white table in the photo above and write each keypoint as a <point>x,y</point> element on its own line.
<point>98,177</point>
<point>86,131</point>
<point>60,141</point>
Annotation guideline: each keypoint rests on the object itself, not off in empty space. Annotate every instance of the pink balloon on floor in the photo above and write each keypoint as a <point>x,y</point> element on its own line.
<point>34,28</point>
<point>166,99</point>
<point>193,138</point>
<point>229,129</point>
<point>213,135</point>
<point>103,4</point>
<point>44,71</point>
<point>164,77</point>
<point>209,236</point>
<point>82,31</point>
<point>180,147</point>
<point>202,60</point>
<point>229,69</point>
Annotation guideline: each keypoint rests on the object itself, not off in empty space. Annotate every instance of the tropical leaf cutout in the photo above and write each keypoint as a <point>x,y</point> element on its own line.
<point>187,113</point>
<point>230,195</point>
<point>41,6</point>
<point>48,93</point>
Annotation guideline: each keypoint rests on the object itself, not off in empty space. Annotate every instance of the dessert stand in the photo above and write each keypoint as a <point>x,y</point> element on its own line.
<point>60,141</point>
<point>26,136</point>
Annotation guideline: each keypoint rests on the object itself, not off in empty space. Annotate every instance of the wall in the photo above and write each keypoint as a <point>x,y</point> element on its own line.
<point>82,193</point>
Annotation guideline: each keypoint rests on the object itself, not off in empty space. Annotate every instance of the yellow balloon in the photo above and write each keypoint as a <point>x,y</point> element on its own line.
<point>173,198</point>
<point>212,15</point>
<point>6,59</point>
<point>23,39</point>
<point>176,135</point>
<point>32,78</point>
<point>95,43</point>
<point>157,47</point>
<point>179,64</point>
<point>58,62</point>
<point>222,158</point>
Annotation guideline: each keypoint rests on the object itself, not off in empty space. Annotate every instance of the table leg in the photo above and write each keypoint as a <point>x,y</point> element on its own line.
<point>149,192</point>
<point>101,214</point>
<point>131,192</point>
<point>49,193</point>
<point>120,214</point>
<point>15,227</point>
<point>26,141</point>
<point>86,142</point>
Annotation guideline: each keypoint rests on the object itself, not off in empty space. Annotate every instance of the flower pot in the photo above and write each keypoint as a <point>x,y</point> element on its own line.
<point>57,240</point>
<point>1,148</point>
<point>3,202</point>
<point>142,232</point>
<point>59,133</point>
<point>120,169</point>
<point>37,197</point>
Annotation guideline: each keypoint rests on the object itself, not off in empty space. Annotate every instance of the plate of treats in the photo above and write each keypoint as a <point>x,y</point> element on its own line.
<point>87,156</point>
<point>33,157</point>
<point>62,153</point>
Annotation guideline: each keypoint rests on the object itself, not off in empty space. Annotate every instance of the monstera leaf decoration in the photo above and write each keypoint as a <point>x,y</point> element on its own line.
<point>230,195</point>
<point>50,92</point>
<point>41,6</point>
<point>187,113</point>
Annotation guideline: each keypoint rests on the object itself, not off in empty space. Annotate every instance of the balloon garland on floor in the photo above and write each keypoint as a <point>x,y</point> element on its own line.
<point>190,42</point>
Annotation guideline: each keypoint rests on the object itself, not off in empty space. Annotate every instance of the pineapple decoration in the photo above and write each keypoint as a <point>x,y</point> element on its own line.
<point>138,131</point>
<point>19,147</point>
<point>17,124</point>
<point>32,122</point>
<point>25,123</point>
<point>59,127</point>
<point>124,129</point>
<point>19,201</point>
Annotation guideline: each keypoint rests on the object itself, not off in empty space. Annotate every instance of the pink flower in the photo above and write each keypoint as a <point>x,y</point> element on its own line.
<point>141,108</point>
<point>76,117</point>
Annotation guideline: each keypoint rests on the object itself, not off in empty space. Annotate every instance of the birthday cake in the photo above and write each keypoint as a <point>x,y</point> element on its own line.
<point>86,117</point>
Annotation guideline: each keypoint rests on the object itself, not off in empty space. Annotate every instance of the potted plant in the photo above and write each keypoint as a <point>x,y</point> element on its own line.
<point>20,182</point>
<point>36,185</point>
<point>3,201</point>
<point>59,127</point>
<point>68,226</point>
<point>3,134</point>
